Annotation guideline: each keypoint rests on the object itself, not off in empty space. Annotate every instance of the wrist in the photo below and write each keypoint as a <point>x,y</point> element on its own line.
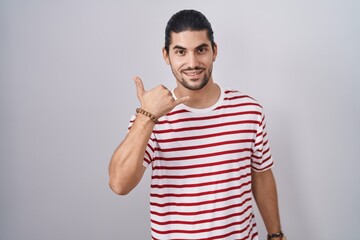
<point>147,114</point>
<point>276,236</point>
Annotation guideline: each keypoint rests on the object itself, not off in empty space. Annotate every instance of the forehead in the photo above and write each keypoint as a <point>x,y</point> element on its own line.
<point>189,39</point>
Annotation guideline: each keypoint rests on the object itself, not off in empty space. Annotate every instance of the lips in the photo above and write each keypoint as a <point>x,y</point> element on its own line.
<point>193,73</point>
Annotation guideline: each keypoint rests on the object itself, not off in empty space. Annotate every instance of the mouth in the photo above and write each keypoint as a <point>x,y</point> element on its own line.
<point>193,73</point>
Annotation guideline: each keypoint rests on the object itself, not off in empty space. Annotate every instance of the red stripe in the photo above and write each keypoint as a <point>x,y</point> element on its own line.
<point>150,147</point>
<point>203,230</point>
<point>209,117</point>
<point>200,184</point>
<point>262,152</point>
<point>203,220</point>
<point>259,143</point>
<point>262,133</point>
<point>205,126</point>
<point>231,91</point>
<point>191,157</point>
<point>255,234</point>
<point>201,165</point>
<point>199,174</point>
<point>203,211</point>
<point>237,97</point>
<point>259,134</point>
<point>148,155</point>
<point>266,160</point>
<point>238,105</point>
<point>230,233</point>
<point>203,136</point>
<point>200,203</point>
<point>147,161</point>
<point>264,168</point>
<point>237,232</point>
<point>205,145</point>
<point>200,193</point>
<point>265,134</point>
<point>266,151</point>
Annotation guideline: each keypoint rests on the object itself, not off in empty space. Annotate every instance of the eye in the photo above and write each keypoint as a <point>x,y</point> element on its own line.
<point>180,52</point>
<point>201,50</point>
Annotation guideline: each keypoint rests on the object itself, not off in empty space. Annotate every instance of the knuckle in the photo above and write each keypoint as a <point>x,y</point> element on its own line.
<point>164,88</point>
<point>160,87</point>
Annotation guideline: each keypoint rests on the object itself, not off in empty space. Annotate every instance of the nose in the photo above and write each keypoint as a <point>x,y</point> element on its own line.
<point>193,60</point>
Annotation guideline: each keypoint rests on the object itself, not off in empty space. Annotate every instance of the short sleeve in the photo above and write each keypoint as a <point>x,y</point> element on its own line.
<point>261,158</point>
<point>149,151</point>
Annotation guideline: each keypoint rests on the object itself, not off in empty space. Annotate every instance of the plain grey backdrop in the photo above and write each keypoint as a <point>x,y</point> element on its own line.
<point>67,94</point>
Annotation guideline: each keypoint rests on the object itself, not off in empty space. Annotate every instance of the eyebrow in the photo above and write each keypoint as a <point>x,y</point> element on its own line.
<point>200,46</point>
<point>179,47</point>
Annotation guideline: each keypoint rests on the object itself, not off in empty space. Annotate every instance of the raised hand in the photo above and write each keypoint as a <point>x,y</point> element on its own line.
<point>158,101</point>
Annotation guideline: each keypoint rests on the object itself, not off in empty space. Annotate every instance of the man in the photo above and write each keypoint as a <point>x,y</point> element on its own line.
<point>207,146</point>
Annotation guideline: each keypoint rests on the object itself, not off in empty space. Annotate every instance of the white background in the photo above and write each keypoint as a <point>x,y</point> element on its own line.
<point>66,96</point>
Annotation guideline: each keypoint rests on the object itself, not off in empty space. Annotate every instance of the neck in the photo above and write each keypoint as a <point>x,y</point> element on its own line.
<point>203,98</point>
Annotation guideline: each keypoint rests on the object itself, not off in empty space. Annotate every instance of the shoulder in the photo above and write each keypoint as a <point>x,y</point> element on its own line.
<point>232,96</point>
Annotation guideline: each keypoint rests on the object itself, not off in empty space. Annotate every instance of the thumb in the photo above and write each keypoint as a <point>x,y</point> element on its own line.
<point>181,100</point>
<point>139,87</point>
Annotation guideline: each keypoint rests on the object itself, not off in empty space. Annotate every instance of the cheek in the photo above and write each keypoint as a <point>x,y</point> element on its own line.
<point>207,60</point>
<point>209,63</point>
<point>176,63</point>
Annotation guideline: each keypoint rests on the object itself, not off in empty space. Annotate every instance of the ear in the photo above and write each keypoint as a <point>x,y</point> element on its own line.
<point>165,56</point>
<point>215,51</point>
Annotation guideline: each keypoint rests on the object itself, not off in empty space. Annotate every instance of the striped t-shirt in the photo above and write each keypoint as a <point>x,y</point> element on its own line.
<point>201,169</point>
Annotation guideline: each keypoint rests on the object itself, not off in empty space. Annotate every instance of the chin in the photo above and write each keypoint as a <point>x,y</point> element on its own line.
<point>196,87</point>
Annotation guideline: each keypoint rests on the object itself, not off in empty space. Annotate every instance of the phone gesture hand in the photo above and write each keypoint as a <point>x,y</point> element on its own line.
<point>158,101</point>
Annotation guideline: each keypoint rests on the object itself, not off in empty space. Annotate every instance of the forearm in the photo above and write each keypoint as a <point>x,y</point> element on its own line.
<point>265,194</point>
<point>126,166</point>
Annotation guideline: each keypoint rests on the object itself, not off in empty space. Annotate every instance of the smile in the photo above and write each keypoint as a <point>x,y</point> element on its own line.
<point>193,73</point>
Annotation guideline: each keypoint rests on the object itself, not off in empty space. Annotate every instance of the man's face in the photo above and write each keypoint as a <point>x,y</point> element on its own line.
<point>191,58</point>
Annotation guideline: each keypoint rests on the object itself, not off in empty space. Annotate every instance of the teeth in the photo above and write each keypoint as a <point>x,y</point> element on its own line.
<point>193,73</point>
